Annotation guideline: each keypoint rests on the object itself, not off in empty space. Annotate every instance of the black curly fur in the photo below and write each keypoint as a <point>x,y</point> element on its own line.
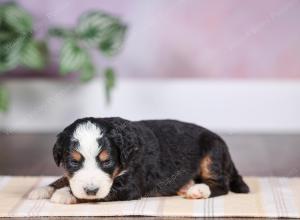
<point>159,156</point>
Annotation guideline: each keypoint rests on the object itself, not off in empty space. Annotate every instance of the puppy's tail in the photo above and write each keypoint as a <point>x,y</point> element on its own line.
<point>237,183</point>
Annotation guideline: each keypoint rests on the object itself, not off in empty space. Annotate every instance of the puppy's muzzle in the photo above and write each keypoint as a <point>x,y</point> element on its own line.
<point>91,190</point>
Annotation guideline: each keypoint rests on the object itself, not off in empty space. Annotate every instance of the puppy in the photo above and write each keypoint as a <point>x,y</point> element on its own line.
<point>113,159</point>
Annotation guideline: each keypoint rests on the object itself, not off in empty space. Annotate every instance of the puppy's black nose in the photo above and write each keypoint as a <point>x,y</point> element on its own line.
<point>91,191</point>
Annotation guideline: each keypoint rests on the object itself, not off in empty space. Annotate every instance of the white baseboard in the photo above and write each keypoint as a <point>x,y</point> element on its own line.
<point>269,106</point>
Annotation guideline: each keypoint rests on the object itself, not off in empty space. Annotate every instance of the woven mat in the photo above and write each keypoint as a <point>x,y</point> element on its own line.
<point>269,197</point>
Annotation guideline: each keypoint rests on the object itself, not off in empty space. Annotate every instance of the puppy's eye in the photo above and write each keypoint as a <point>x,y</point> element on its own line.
<point>104,158</point>
<point>74,162</point>
<point>106,163</point>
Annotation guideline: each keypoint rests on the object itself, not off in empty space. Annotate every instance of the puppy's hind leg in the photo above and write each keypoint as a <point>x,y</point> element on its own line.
<point>213,175</point>
<point>194,191</point>
<point>215,165</point>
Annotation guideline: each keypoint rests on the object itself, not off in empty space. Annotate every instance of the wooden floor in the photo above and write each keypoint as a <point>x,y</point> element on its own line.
<point>254,155</point>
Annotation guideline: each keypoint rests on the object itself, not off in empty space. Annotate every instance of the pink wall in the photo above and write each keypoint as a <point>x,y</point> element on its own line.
<point>195,38</point>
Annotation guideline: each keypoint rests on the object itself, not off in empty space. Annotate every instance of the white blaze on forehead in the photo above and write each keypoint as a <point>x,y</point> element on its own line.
<point>88,134</point>
<point>90,174</point>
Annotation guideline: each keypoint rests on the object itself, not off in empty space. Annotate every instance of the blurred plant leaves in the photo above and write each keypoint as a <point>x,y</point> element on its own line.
<point>113,40</point>
<point>34,54</point>
<point>16,18</point>
<point>60,32</point>
<point>102,30</point>
<point>10,53</point>
<point>87,71</point>
<point>17,46</point>
<point>92,26</point>
<point>95,30</point>
<point>72,57</point>
<point>109,80</point>
<point>4,99</point>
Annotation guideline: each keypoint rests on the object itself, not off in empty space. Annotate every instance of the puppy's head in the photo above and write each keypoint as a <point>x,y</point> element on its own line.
<point>92,153</point>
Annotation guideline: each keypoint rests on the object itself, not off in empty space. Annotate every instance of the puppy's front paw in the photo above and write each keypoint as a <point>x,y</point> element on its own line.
<point>41,193</point>
<point>198,191</point>
<point>63,196</point>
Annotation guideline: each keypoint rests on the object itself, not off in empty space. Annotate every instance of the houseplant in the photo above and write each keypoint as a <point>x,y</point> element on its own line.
<point>95,30</point>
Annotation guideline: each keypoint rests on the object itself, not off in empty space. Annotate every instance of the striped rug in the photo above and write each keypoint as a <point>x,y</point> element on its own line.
<point>269,197</point>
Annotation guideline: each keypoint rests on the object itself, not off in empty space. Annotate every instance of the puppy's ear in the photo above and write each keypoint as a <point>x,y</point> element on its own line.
<point>58,149</point>
<point>125,137</point>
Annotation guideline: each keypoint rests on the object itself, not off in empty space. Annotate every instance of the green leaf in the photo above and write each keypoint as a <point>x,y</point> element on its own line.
<point>4,99</point>
<point>109,80</point>
<point>93,26</point>
<point>2,17</point>
<point>17,18</point>
<point>34,54</point>
<point>72,57</point>
<point>10,53</point>
<point>87,72</point>
<point>113,41</point>
<point>6,36</point>
<point>60,32</point>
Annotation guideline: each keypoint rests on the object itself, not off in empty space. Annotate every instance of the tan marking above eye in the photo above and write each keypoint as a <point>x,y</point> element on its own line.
<point>76,155</point>
<point>104,155</point>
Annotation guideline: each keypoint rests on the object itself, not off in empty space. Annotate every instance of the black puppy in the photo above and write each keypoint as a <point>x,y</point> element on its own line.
<point>110,159</point>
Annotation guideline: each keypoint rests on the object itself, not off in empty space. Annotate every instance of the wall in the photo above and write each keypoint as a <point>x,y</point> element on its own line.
<point>230,65</point>
<point>192,38</point>
<point>269,106</point>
